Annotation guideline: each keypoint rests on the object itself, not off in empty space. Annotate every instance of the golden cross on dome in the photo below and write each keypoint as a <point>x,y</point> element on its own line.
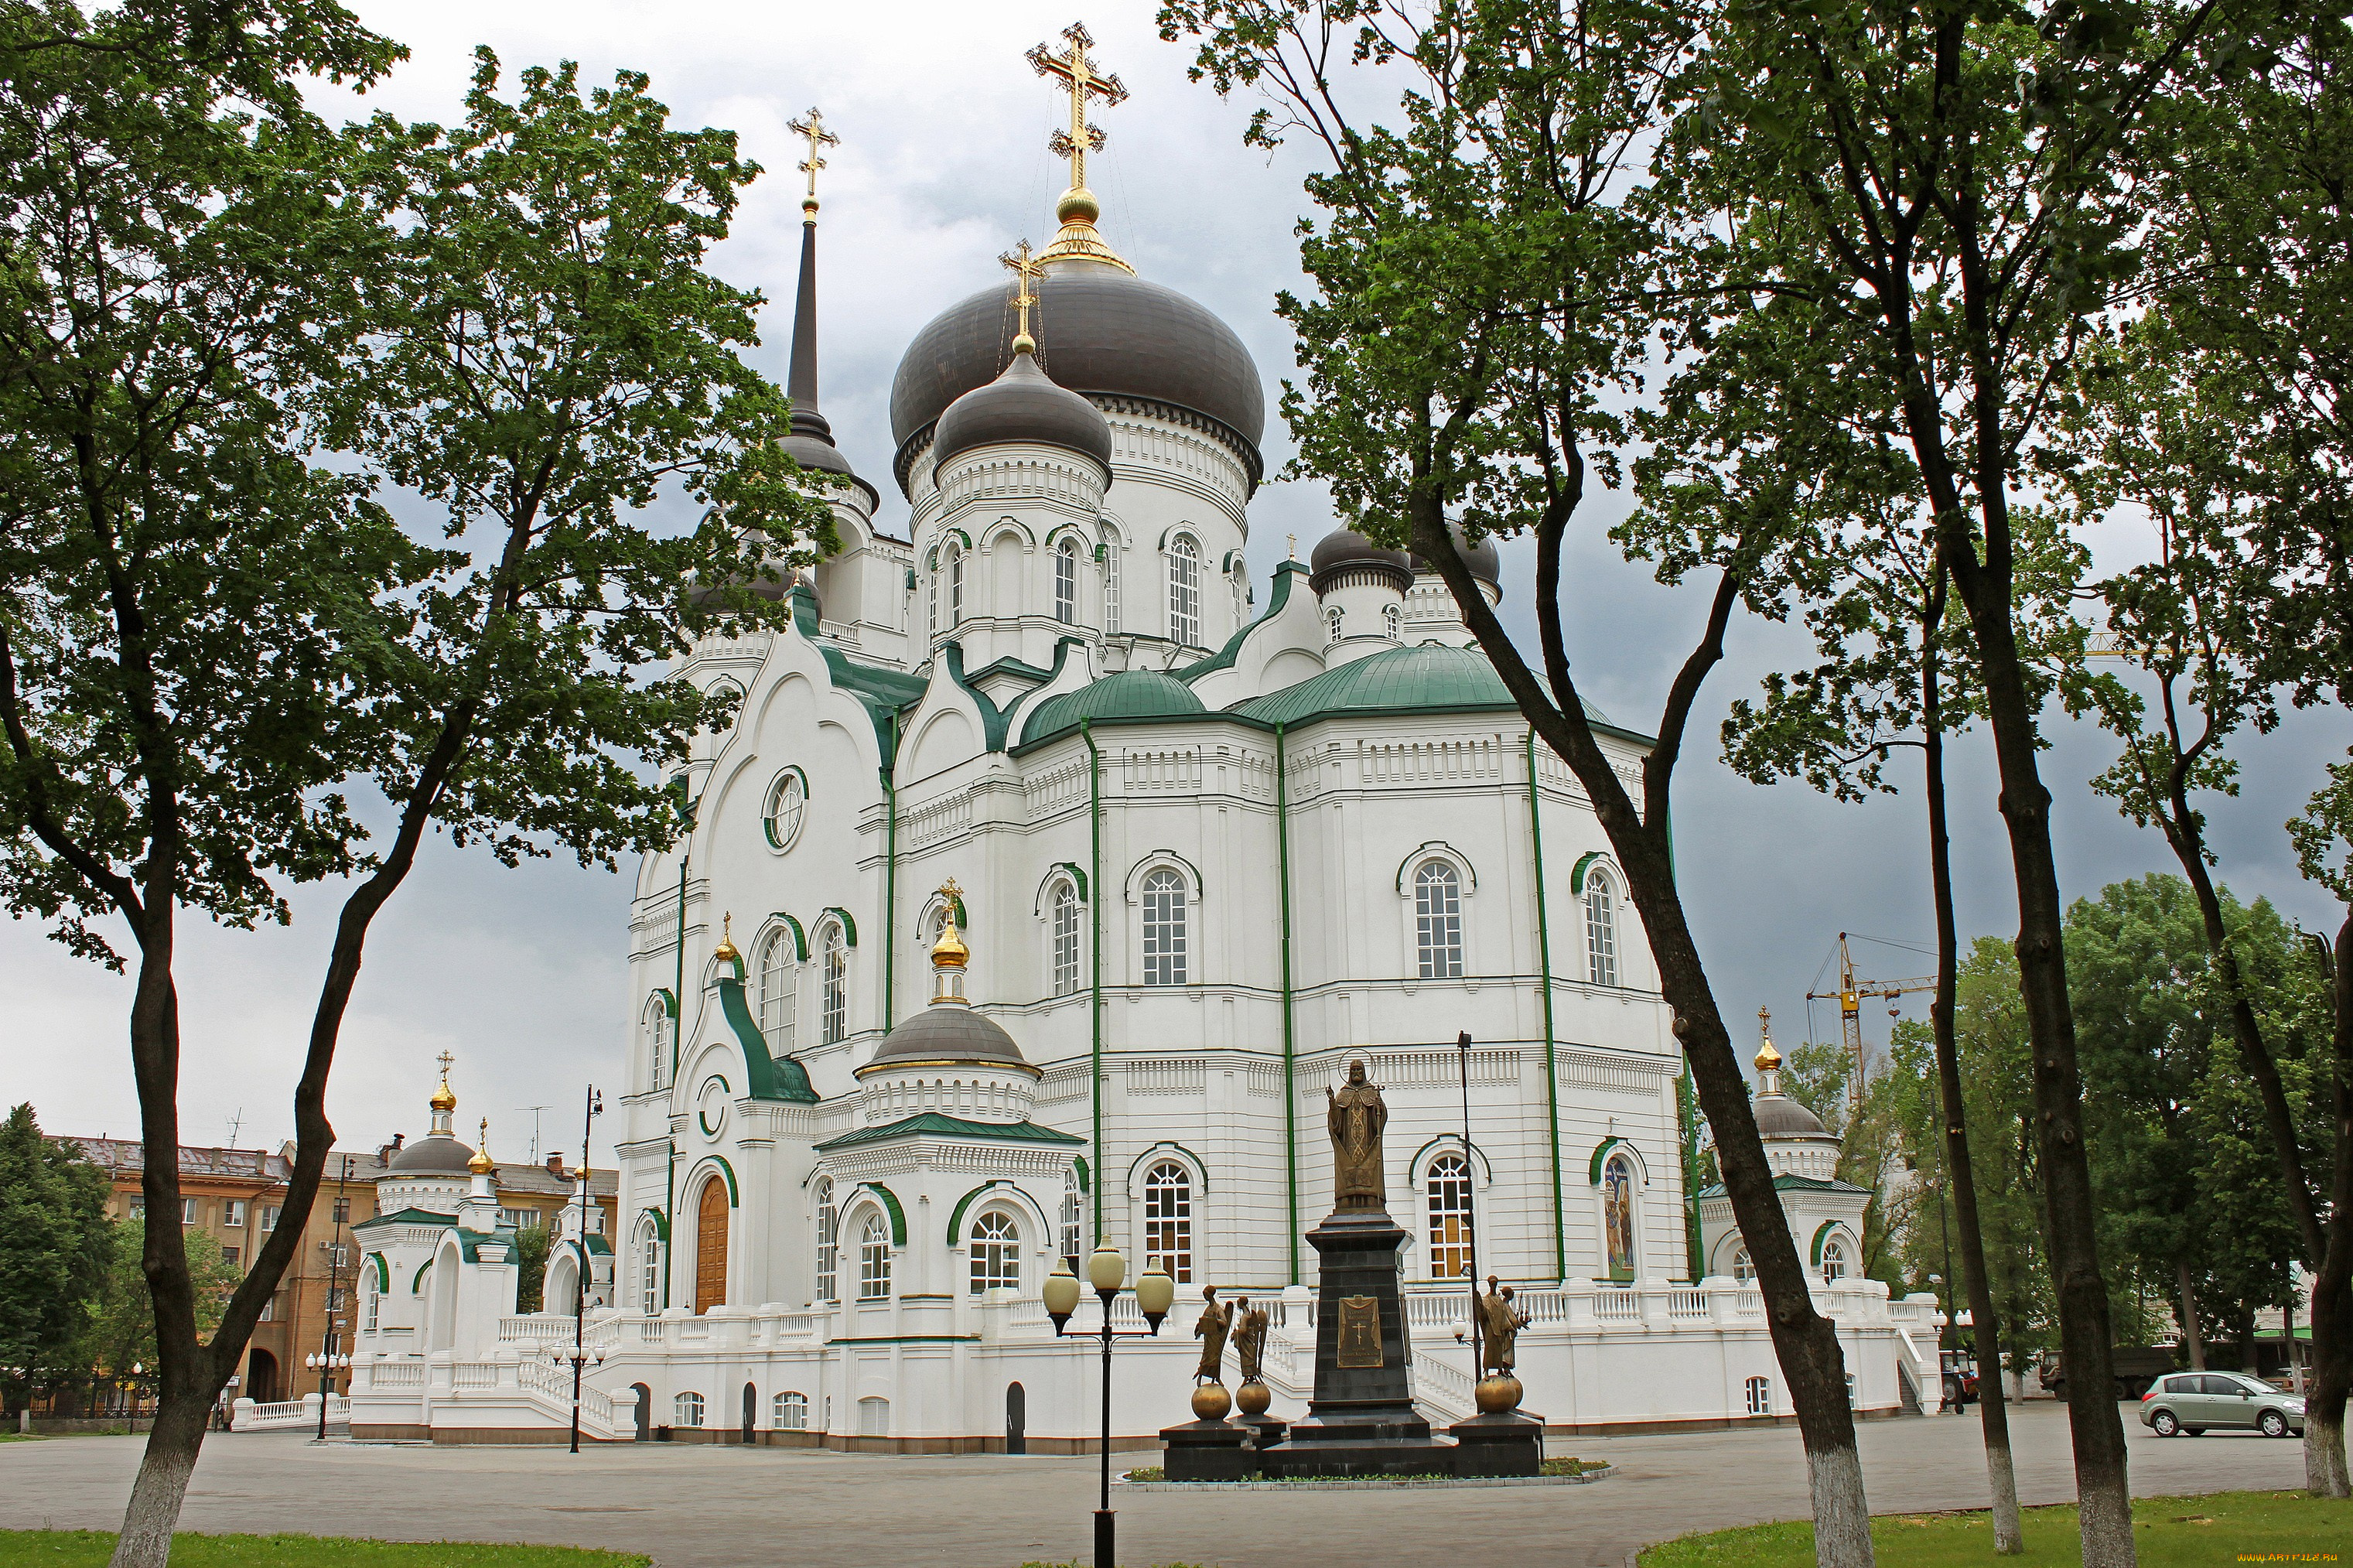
<point>1025,266</point>
<point>446,1059</point>
<point>1293,540</point>
<point>952,894</point>
<point>814,131</point>
<point>1076,73</point>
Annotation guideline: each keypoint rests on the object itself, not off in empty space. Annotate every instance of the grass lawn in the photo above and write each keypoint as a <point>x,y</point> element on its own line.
<point>91,1547</point>
<point>2169,1533</point>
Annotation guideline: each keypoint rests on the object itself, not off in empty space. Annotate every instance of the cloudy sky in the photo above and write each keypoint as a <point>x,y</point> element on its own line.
<point>942,165</point>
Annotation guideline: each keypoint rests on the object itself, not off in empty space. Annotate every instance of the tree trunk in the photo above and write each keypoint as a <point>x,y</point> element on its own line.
<point>2188,1285</point>
<point>2325,1472</point>
<point>1993,1409</point>
<point>181,1417</point>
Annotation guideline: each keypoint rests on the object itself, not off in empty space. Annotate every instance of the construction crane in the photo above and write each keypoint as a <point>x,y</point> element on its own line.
<point>1849,996</point>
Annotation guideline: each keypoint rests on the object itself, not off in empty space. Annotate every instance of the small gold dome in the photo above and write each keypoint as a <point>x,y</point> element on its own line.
<point>1767,1059</point>
<point>949,952</point>
<point>726,952</point>
<point>481,1164</point>
<point>443,1100</point>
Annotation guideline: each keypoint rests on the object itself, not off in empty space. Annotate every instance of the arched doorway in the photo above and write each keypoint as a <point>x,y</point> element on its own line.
<point>751,1410</point>
<point>644,1410</point>
<point>261,1378</point>
<point>1017,1410</point>
<point>711,1247</point>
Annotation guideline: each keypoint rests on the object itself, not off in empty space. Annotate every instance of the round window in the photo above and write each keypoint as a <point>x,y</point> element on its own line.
<point>788,804</point>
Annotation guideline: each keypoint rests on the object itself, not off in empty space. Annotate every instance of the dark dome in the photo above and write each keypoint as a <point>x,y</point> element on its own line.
<point>1023,405</point>
<point>1486,563</point>
<point>821,455</point>
<point>1778,1115</point>
<point>435,1154</point>
<point>948,1033</point>
<point>1101,331</point>
<point>1345,546</point>
<point>768,586</point>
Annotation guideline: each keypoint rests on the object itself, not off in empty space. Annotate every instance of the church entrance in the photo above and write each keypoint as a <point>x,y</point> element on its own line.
<point>751,1410</point>
<point>1016,1418</point>
<point>644,1410</point>
<point>711,1247</point>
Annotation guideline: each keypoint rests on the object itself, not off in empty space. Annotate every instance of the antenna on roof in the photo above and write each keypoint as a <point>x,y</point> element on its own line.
<point>535,1128</point>
<point>235,1122</point>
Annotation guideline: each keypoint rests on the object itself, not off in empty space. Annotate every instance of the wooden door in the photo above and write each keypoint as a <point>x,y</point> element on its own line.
<point>711,1247</point>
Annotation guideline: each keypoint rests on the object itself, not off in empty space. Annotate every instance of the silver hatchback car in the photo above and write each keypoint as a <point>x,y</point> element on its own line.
<point>2195,1402</point>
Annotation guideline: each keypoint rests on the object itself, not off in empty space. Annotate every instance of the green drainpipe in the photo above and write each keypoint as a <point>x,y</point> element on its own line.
<point>1552,1075</point>
<point>1094,947</point>
<point>891,877</point>
<point>677,1021</point>
<point>670,1181</point>
<point>1289,1094</point>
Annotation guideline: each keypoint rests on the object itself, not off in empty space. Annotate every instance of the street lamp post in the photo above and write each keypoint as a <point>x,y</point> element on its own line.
<point>327,1358</point>
<point>579,1357</point>
<point>1154,1293</point>
<point>326,1363</point>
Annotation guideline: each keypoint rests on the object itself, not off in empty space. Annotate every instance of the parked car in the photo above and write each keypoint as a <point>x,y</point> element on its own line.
<point>2136,1368</point>
<point>2196,1402</point>
<point>1961,1375</point>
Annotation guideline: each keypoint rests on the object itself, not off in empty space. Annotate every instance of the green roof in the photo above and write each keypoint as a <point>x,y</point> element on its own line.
<point>881,693</point>
<point>1798,1184</point>
<point>408,1217</point>
<point>1129,694</point>
<point>935,1125</point>
<point>1223,658</point>
<point>1396,680</point>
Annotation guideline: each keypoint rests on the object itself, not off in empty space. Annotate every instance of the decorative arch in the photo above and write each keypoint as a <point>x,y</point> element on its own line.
<point>1585,862</point>
<point>1601,1152</point>
<point>849,925</point>
<point>929,912</point>
<point>1437,849</point>
<point>695,1171</point>
<point>1450,1143</point>
<point>1160,857</point>
<point>997,1192</point>
<point>1828,1229</point>
<point>1060,530</point>
<point>1014,525</point>
<point>417,1286</point>
<point>778,917</point>
<point>883,1197</point>
<point>661,1221</point>
<point>383,1270</point>
<point>1060,871</point>
<point>950,532</point>
<point>1154,1155</point>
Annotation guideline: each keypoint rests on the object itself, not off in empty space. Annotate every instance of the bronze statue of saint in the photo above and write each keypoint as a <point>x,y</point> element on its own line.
<point>1249,1337</point>
<point>1355,1117</point>
<point>1500,1323</point>
<point>1210,1329</point>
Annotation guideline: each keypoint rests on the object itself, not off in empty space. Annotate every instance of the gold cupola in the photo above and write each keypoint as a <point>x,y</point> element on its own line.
<point>443,1102</point>
<point>725,952</point>
<point>481,1164</point>
<point>1076,73</point>
<point>949,955</point>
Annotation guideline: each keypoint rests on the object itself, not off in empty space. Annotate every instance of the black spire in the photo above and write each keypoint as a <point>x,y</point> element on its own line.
<point>800,382</point>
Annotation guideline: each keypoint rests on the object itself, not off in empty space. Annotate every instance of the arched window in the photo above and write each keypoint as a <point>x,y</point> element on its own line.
<point>1447,1188</point>
<point>834,977</point>
<point>779,990</point>
<point>932,601</point>
<point>1601,929</point>
<point>1168,1220</point>
<point>1618,1213</point>
<point>952,571</point>
<point>1743,1267</point>
<point>1111,585</point>
<point>375,1301</point>
<point>688,1409</point>
<point>648,1267</point>
<point>1066,581</point>
<point>1070,1217</point>
<point>829,1243</point>
<point>788,804</point>
<point>1066,938</point>
<point>1438,920</point>
<point>1239,584</point>
<point>654,1033</point>
<point>1165,934</point>
<point>1760,1396</point>
<point>1833,1259</point>
<point>874,1260</point>
<point>1185,592</point>
<point>996,1254</point>
<point>1392,621</point>
<point>792,1411</point>
<point>1331,622</point>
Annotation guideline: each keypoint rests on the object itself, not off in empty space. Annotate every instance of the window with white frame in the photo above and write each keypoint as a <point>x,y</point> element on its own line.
<point>519,1219</point>
<point>1833,1259</point>
<point>1760,1396</point>
<point>188,1211</point>
<point>1184,591</point>
<point>1438,920</point>
<point>834,980</point>
<point>1445,1189</point>
<point>653,1034</point>
<point>829,1243</point>
<point>1743,1267</point>
<point>1168,1220</point>
<point>1066,581</point>
<point>1333,622</point>
<point>1165,933</point>
<point>1852,1402</point>
<point>952,569</point>
<point>791,1412</point>
<point>1601,929</point>
<point>786,810</point>
<point>374,1304</point>
<point>1392,621</point>
<point>1111,585</point>
<point>996,1254</point>
<point>1065,910</point>
<point>1070,1218</point>
<point>270,1216</point>
<point>688,1410</point>
<point>874,1260</point>
<point>1240,583</point>
<point>233,1213</point>
<point>932,601</point>
<point>779,989</point>
<point>648,1267</point>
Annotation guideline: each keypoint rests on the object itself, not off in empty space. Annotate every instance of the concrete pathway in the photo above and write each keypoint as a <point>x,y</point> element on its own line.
<point>697,1507</point>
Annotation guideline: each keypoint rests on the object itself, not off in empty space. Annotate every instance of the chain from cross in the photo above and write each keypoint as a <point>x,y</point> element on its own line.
<point>813,130</point>
<point>1078,73</point>
<point>1024,267</point>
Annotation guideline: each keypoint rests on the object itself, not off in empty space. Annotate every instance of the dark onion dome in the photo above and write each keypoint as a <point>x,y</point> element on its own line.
<point>768,586</point>
<point>819,454</point>
<point>1403,679</point>
<point>1344,549</point>
<point>1022,405</point>
<point>436,1154</point>
<point>1105,332</point>
<point>1128,694</point>
<point>1778,1115</point>
<point>952,1034</point>
<point>1486,563</point>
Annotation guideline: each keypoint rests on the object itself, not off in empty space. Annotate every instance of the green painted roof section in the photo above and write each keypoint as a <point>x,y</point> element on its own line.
<point>1129,694</point>
<point>881,693</point>
<point>1395,680</point>
<point>766,1077</point>
<point>934,1124</point>
<point>1798,1184</point>
<point>408,1217</point>
<point>470,1243</point>
<point>1223,658</point>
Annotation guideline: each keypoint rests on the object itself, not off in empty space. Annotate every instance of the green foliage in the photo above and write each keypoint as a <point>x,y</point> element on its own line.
<point>55,1245</point>
<point>95,1548</point>
<point>531,1248</point>
<point>121,1332</point>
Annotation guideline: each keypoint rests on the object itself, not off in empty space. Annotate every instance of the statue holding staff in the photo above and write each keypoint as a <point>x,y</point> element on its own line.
<point>1355,1117</point>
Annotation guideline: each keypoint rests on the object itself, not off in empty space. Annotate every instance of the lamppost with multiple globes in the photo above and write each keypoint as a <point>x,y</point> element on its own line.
<point>1154,1293</point>
<point>326,1366</point>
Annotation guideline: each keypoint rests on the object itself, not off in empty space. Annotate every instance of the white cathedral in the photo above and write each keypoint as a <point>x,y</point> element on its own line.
<point>1044,881</point>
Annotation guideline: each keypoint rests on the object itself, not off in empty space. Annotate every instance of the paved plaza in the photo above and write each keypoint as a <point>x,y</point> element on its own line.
<point>727,1507</point>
